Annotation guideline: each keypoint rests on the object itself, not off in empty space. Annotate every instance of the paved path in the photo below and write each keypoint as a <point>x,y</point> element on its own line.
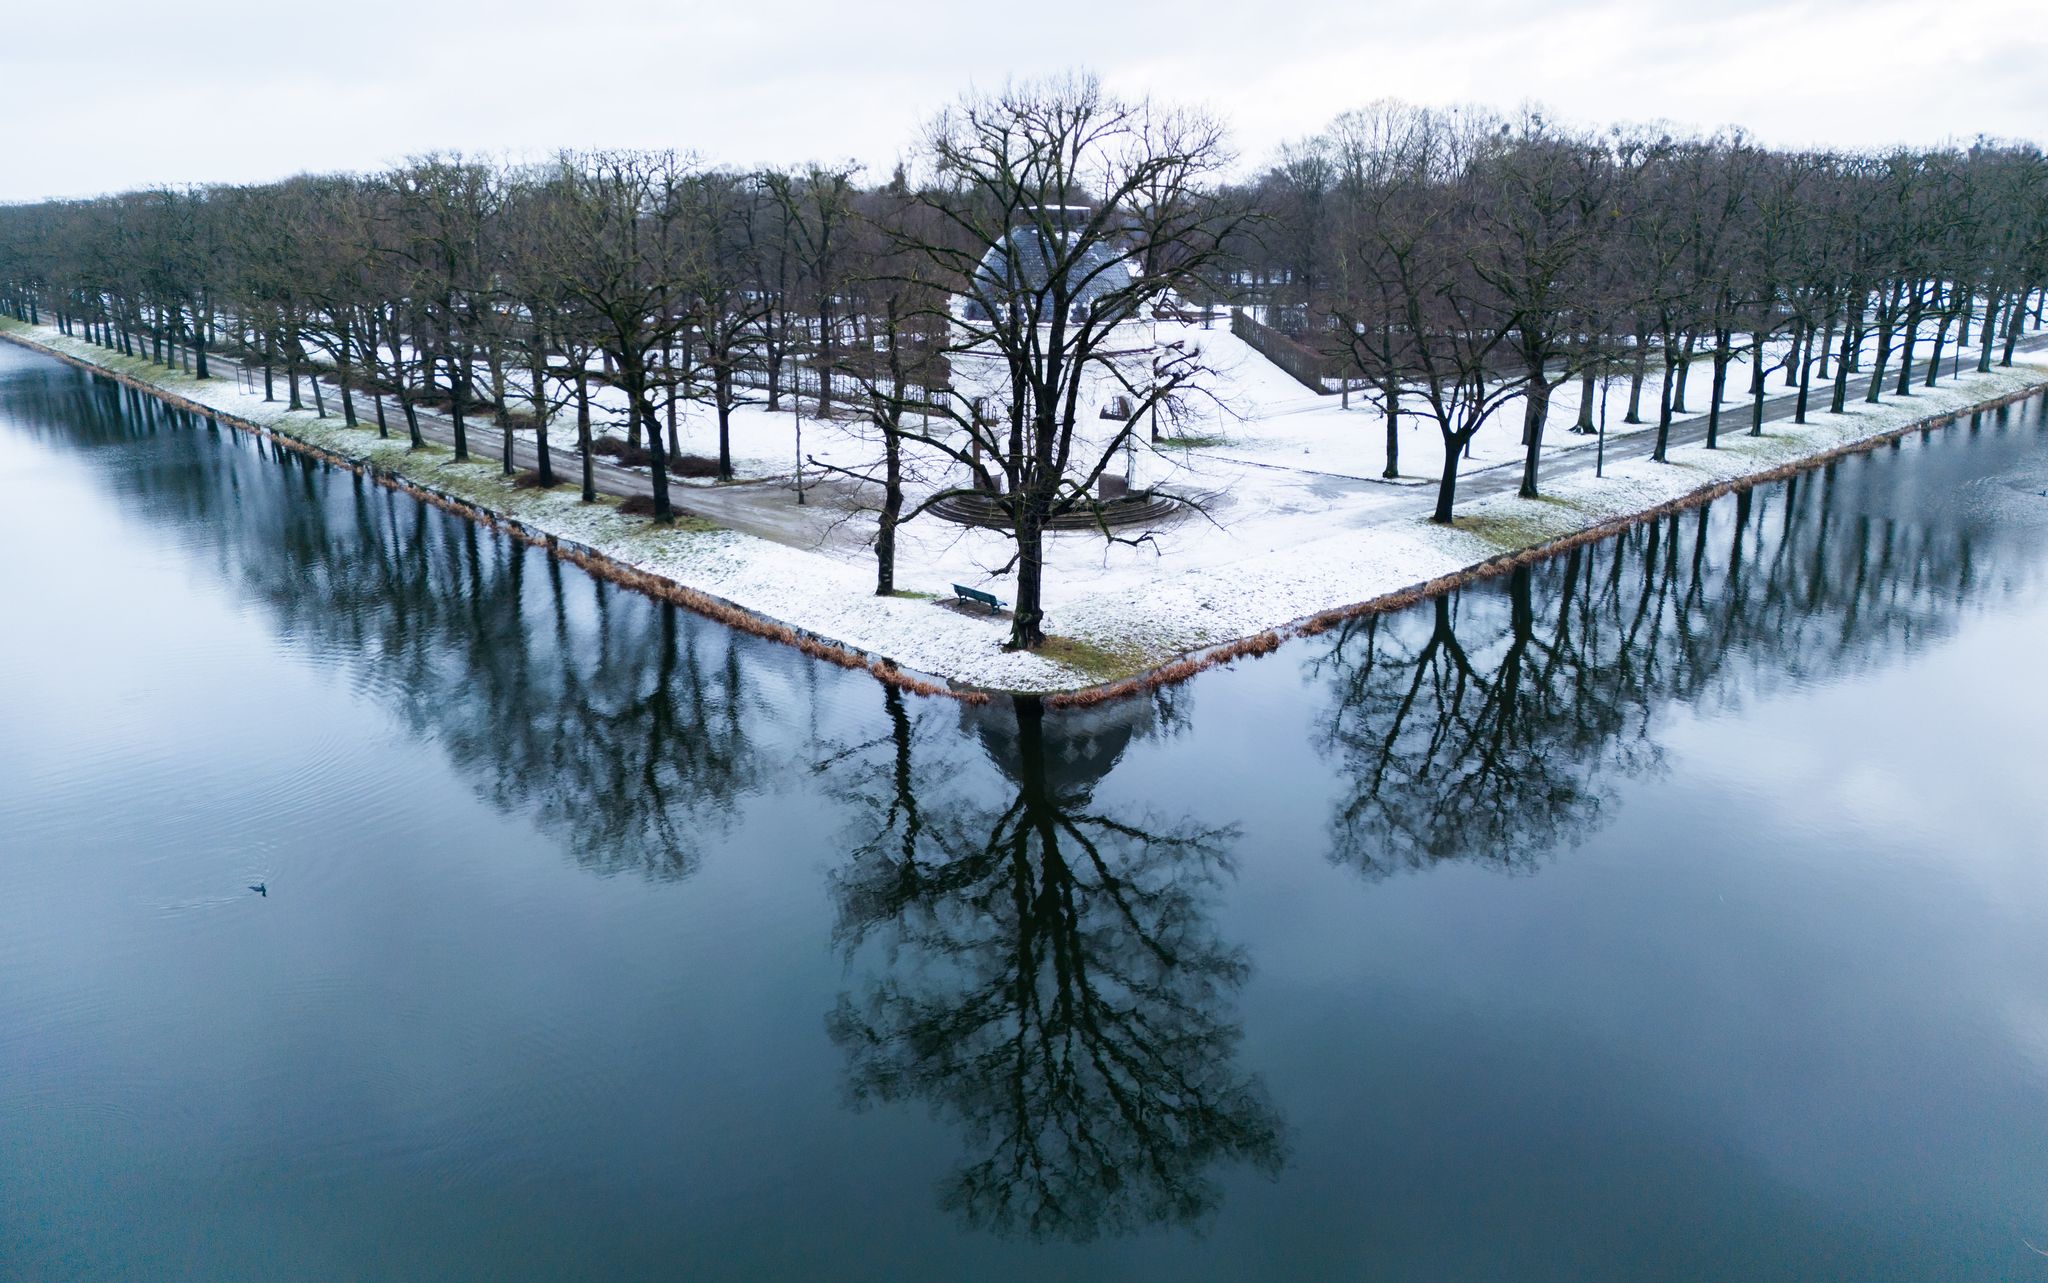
<point>1641,442</point>
<point>766,508</point>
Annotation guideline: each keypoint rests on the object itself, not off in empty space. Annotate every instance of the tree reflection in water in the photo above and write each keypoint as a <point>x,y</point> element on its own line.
<point>1037,966</point>
<point>1496,723</point>
<point>1044,974</point>
<point>625,727</point>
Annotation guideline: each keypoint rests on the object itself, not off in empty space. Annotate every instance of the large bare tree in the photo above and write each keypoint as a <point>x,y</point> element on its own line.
<point>1100,208</point>
<point>618,240</point>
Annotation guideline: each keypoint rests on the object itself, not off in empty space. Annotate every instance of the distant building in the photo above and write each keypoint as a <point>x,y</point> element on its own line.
<point>1015,279</point>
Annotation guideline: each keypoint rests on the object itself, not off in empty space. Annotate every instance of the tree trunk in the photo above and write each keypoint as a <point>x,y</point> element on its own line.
<point>1447,481</point>
<point>583,431</point>
<point>292,358</point>
<point>1635,380</point>
<point>675,444</point>
<point>633,372</point>
<point>1805,386</point>
<point>1757,391</point>
<point>412,417</point>
<point>1720,386</point>
<point>343,367</point>
<point>722,388</point>
<point>890,420</point>
<point>1940,341</point>
<point>458,394</point>
<point>825,337</point>
<point>1027,627</point>
<point>1685,352</point>
<point>1393,468</point>
<point>1535,408</point>
<point>632,414</point>
<point>538,373</point>
<point>892,510</point>
<point>199,349</point>
<point>657,465</point>
<point>494,362</point>
<point>429,363</point>
<point>1885,316</point>
<point>1914,311</point>
<point>1665,404</point>
<point>1879,361</point>
<point>1844,360</point>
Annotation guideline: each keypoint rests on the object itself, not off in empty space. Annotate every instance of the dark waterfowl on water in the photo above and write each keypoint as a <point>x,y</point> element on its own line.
<point>260,888</point>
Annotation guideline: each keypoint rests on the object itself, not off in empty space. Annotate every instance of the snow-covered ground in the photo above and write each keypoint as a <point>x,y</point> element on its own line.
<point>1296,522</point>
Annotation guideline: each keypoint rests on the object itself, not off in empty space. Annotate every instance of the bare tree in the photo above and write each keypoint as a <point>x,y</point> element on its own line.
<point>1541,224</point>
<point>728,311</point>
<point>1439,324</point>
<point>816,207</point>
<point>898,374</point>
<point>1043,283</point>
<point>619,245</point>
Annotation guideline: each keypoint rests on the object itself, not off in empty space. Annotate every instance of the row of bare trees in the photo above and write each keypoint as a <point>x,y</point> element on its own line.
<point>1456,263</point>
<point>1448,264</point>
<point>489,292</point>
<point>515,294</point>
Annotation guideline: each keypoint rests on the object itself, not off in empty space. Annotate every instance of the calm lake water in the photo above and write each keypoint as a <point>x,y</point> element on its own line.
<point>1675,909</point>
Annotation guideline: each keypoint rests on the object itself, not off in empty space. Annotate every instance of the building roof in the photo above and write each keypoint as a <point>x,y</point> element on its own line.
<point>1018,271</point>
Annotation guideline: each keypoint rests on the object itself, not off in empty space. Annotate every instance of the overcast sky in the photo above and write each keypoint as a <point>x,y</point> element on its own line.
<point>112,94</point>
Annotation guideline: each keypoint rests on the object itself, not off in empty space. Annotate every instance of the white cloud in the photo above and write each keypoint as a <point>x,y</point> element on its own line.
<point>123,93</point>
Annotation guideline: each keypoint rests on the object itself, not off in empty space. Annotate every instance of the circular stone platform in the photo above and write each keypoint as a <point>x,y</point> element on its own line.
<point>979,509</point>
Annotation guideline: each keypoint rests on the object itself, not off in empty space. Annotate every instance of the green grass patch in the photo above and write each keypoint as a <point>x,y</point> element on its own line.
<point>915,595</point>
<point>1523,529</point>
<point>647,530</point>
<point>1097,663</point>
<point>1191,443</point>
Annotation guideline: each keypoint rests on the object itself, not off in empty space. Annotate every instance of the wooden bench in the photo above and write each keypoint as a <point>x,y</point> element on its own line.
<point>963,593</point>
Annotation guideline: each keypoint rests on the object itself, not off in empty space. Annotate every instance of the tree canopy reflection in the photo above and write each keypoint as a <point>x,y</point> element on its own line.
<point>1496,723</point>
<point>625,727</point>
<point>1044,974</point>
<point>1037,965</point>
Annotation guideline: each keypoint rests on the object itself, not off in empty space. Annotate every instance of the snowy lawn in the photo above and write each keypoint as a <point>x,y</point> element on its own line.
<point>1286,535</point>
